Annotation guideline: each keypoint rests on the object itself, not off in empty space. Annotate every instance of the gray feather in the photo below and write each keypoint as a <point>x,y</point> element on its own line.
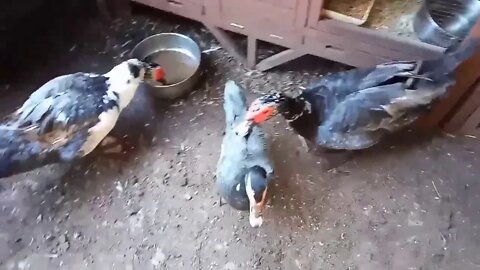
<point>239,153</point>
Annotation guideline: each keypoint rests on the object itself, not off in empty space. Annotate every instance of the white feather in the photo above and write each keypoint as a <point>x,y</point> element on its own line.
<point>98,132</point>
<point>125,85</point>
<point>255,219</point>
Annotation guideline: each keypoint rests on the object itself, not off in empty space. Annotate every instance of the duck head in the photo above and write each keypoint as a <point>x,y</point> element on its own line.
<point>134,71</point>
<point>266,107</point>
<point>145,71</point>
<point>256,186</point>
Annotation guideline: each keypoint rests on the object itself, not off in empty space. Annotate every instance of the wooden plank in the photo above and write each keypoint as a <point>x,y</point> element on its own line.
<point>212,9</point>
<point>191,10</point>
<point>251,51</point>
<point>252,12</point>
<point>226,42</point>
<point>383,39</point>
<point>278,59</point>
<point>367,46</point>
<point>316,7</point>
<point>319,44</point>
<point>301,16</point>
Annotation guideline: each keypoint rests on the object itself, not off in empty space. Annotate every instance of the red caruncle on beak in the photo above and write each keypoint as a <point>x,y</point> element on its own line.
<point>259,113</point>
<point>158,74</point>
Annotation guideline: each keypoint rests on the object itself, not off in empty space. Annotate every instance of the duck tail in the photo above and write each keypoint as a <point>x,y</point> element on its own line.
<point>18,155</point>
<point>235,104</point>
<point>453,57</point>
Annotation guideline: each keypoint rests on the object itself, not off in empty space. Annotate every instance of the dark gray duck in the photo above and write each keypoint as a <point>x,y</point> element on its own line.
<point>355,109</point>
<point>244,169</point>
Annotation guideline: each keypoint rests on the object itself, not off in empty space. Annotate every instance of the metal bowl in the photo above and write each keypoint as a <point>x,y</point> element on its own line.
<point>445,22</point>
<point>179,55</point>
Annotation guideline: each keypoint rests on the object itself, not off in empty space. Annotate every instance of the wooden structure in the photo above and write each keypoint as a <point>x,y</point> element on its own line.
<point>299,26</point>
<point>464,98</point>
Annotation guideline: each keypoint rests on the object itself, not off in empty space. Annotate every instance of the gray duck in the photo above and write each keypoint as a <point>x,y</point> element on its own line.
<point>244,169</point>
<point>355,109</point>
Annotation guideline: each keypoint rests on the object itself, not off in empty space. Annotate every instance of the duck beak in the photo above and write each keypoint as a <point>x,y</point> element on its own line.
<point>156,74</point>
<point>256,211</point>
<point>244,128</point>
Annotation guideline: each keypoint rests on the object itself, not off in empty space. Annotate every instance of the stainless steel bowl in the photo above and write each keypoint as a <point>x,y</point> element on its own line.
<point>179,55</point>
<point>445,22</point>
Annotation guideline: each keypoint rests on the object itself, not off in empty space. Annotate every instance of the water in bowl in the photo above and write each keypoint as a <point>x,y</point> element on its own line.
<point>178,64</point>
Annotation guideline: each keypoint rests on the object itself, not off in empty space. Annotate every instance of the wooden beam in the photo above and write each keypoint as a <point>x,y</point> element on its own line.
<point>226,42</point>
<point>278,59</point>
<point>251,52</point>
<point>315,10</point>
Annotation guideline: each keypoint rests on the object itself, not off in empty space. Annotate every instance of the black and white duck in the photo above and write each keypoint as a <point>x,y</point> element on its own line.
<point>69,116</point>
<point>244,169</point>
<point>355,109</point>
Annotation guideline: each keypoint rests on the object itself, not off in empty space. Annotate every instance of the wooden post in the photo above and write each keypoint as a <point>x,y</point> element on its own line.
<point>226,42</point>
<point>251,51</point>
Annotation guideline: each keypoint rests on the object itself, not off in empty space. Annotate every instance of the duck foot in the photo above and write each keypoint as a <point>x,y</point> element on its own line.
<point>305,144</point>
<point>113,148</point>
<point>220,202</point>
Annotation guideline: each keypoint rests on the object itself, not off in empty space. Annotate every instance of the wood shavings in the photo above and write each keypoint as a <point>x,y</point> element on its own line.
<point>394,16</point>
<point>352,8</point>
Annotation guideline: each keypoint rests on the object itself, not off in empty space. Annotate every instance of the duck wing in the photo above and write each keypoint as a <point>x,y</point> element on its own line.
<point>339,85</point>
<point>64,119</point>
<point>363,117</point>
<point>258,152</point>
<point>235,105</point>
<point>65,101</point>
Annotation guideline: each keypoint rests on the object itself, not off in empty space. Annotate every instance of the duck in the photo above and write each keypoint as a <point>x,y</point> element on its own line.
<point>69,116</point>
<point>244,169</point>
<point>355,109</point>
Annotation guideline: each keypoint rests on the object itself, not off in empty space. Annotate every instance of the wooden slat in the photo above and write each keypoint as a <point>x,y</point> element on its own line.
<point>251,51</point>
<point>368,46</point>
<point>383,39</point>
<point>253,12</point>
<point>278,59</point>
<point>226,42</point>
<point>301,14</point>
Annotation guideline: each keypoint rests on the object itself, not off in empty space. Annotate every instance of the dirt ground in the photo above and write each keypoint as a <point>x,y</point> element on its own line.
<point>411,203</point>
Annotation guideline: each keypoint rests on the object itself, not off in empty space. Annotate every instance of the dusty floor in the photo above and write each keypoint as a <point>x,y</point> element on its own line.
<point>408,204</point>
